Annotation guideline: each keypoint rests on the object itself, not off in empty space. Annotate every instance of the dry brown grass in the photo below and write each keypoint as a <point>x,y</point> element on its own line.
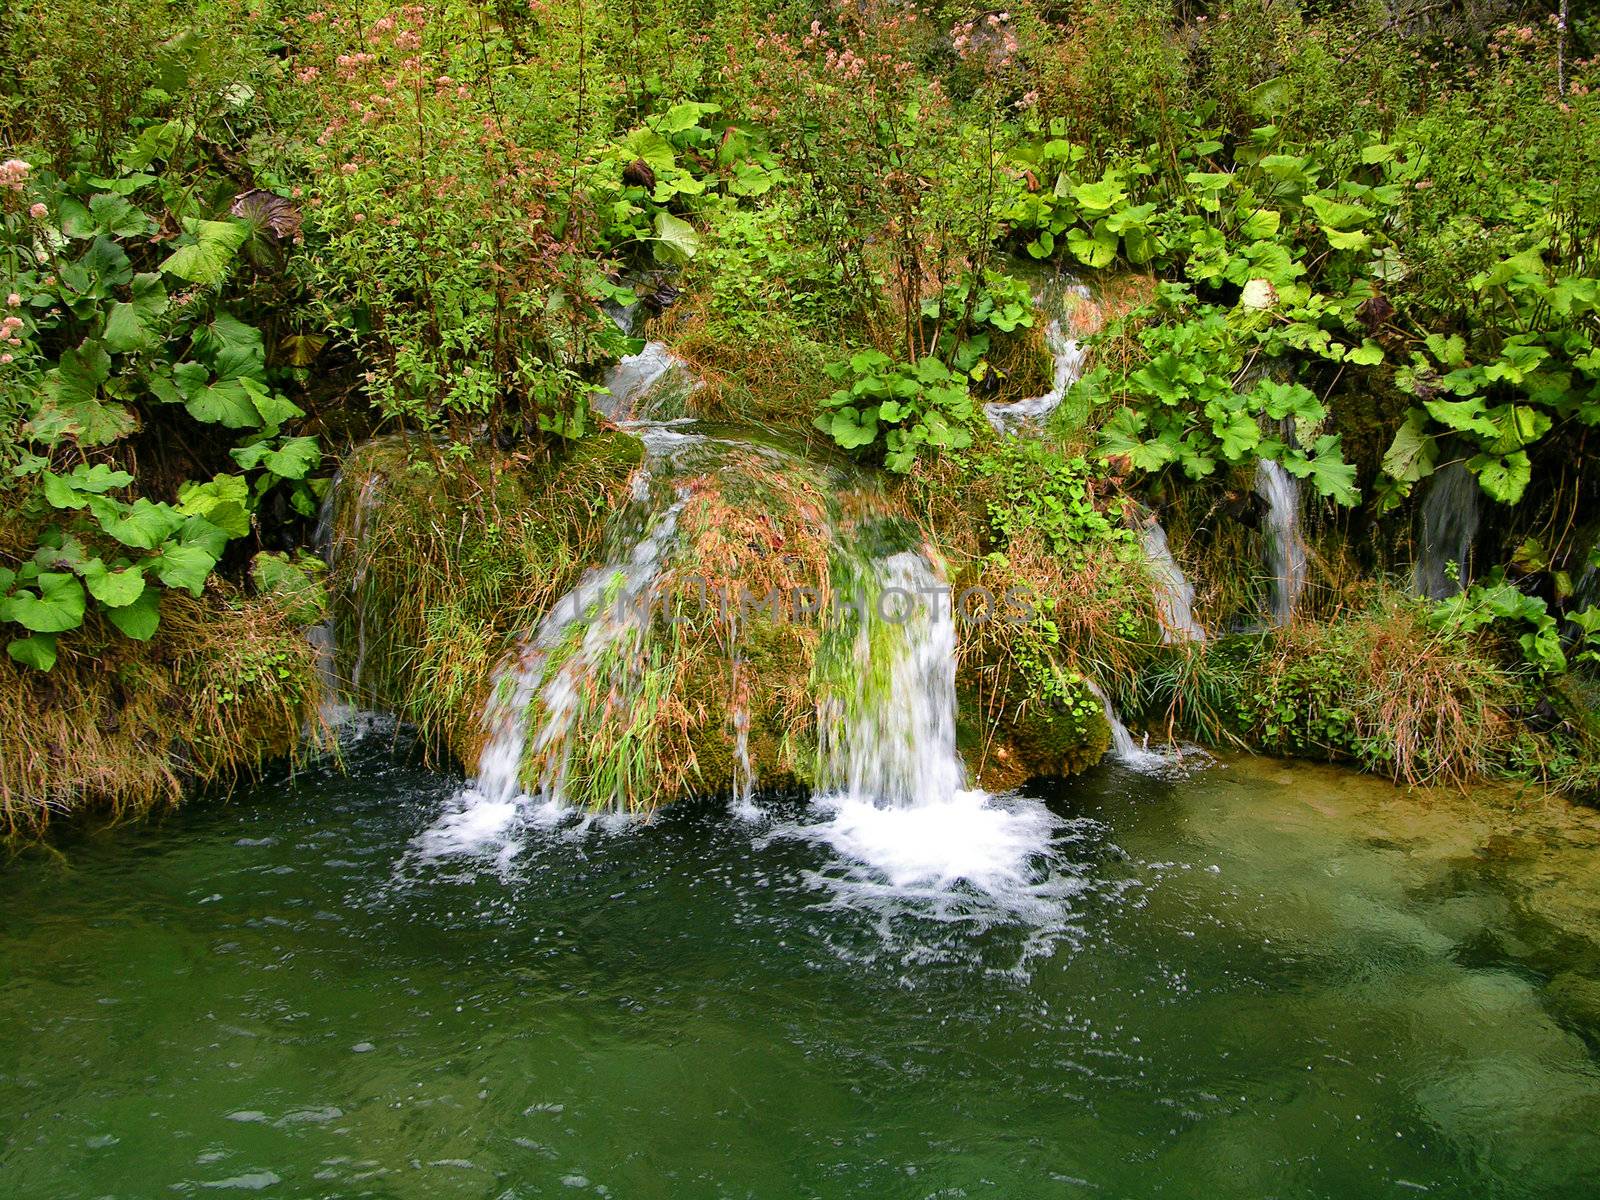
<point>123,727</point>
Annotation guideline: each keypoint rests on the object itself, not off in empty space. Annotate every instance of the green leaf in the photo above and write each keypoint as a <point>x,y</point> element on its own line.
<point>1413,453</point>
<point>675,240</point>
<point>206,259</point>
<point>70,404</point>
<point>685,116</point>
<point>1281,400</point>
<point>139,619</point>
<point>1327,470</point>
<point>1503,479</point>
<point>141,525</point>
<point>1368,354</point>
<point>114,215</point>
<point>128,322</point>
<point>1095,249</point>
<point>57,607</point>
<point>224,501</point>
<point>1335,214</point>
<point>113,588</point>
<point>1100,196</point>
<point>180,566</point>
<point>38,651</point>
<point>1261,225</point>
<point>1343,240</point>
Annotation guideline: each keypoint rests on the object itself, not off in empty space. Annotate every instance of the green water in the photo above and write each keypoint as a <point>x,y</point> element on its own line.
<point>1260,981</point>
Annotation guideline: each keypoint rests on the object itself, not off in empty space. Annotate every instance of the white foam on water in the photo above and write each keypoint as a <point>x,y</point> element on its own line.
<point>969,837</point>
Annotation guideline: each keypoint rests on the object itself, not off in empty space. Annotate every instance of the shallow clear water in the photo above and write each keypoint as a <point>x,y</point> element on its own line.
<point>1260,980</point>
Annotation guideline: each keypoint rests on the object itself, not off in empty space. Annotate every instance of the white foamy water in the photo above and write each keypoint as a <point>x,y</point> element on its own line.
<point>968,837</point>
<point>613,601</point>
<point>892,800</point>
<point>632,384</point>
<point>894,740</point>
<point>1136,753</point>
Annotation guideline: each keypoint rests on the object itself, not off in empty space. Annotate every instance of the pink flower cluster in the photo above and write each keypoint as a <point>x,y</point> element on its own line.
<point>991,35</point>
<point>14,174</point>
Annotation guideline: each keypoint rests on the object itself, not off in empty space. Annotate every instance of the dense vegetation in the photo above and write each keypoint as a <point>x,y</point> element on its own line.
<point>1360,241</point>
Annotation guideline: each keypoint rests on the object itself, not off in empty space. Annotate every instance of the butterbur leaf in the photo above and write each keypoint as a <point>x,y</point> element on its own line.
<point>114,215</point>
<point>1095,249</point>
<point>187,567</point>
<point>1503,479</point>
<point>293,458</point>
<point>57,607</point>
<point>128,324</point>
<point>1282,400</point>
<point>1346,240</point>
<point>38,651</point>
<point>1335,214</point>
<point>224,501</point>
<point>1412,454</point>
<point>1327,470</point>
<point>71,405</point>
<point>684,116</point>
<point>675,240</point>
<point>139,619</point>
<point>206,259</point>
<point>1097,197</point>
<point>113,588</point>
<point>141,525</point>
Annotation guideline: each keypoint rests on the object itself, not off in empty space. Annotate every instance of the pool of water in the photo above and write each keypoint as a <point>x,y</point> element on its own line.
<point>1259,980</point>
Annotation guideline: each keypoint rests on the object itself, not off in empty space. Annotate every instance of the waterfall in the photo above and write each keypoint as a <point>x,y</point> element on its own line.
<point>1068,356</point>
<point>1449,524</point>
<point>892,741</point>
<point>1286,549</point>
<point>1173,592</point>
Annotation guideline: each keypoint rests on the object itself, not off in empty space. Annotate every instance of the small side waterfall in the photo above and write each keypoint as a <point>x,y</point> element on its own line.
<point>1068,355</point>
<point>1286,548</point>
<point>1173,591</point>
<point>1449,519</point>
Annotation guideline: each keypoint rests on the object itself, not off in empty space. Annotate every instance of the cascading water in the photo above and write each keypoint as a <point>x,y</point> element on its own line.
<point>893,740</point>
<point>1286,548</point>
<point>1174,593</point>
<point>336,712</point>
<point>1449,525</point>
<point>1068,355</point>
<point>892,784</point>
